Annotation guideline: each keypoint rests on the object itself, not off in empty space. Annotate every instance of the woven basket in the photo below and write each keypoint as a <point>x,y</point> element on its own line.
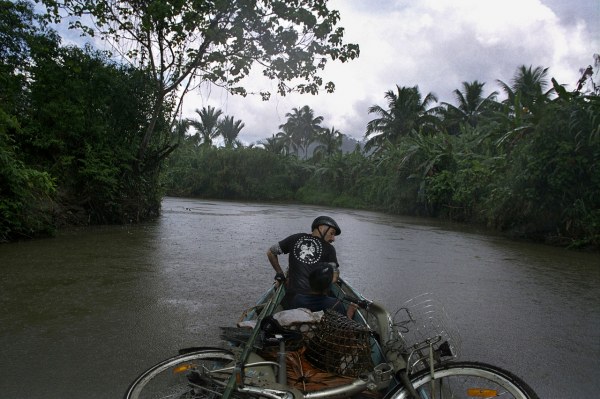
<point>340,346</point>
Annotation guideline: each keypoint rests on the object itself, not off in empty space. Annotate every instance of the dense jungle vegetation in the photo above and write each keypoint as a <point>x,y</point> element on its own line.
<point>528,165</point>
<point>87,140</point>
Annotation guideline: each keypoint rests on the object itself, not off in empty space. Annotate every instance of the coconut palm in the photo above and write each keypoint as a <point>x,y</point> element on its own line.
<point>287,140</point>
<point>206,127</point>
<point>303,126</point>
<point>407,111</point>
<point>330,141</point>
<point>526,100</point>
<point>229,130</point>
<point>531,83</point>
<point>273,144</point>
<point>471,106</point>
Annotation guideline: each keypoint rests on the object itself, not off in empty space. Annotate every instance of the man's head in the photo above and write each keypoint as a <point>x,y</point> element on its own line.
<point>321,277</point>
<point>326,228</point>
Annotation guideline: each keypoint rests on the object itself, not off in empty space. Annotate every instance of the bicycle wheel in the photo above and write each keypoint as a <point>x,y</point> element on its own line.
<point>192,375</point>
<point>467,380</point>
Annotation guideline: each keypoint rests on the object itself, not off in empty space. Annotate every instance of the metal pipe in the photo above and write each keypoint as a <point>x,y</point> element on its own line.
<point>282,375</point>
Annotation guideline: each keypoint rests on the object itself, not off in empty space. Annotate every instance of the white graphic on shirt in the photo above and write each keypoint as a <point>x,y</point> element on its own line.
<point>308,250</point>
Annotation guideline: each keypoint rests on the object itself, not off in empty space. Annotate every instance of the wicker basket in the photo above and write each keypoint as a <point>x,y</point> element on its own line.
<point>340,346</point>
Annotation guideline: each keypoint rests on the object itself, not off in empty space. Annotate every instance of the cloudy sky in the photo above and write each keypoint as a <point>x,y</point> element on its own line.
<point>435,44</point>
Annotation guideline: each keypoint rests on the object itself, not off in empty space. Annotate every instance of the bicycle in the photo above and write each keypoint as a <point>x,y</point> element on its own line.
<point>407,360</point>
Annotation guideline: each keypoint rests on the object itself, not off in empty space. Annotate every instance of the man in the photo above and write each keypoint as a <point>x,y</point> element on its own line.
<point>305,251</point>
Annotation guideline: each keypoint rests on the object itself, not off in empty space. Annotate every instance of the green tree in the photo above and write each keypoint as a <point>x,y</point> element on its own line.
<point>406,111</point>
<point>22,36</point>
<point>531,83</point>
<point>549,188</point>
<point>228,173</point>
<point>26,193</point>
<point>330,142</point>
<point>182,43</point>
<point>525,104</point>
<point>471,107</point>
<point>230,130</point>
<point>303,126</point>
<point>287,139</point>
<point>273,144</point>
<point>83,123</point>
<point>207,128</point>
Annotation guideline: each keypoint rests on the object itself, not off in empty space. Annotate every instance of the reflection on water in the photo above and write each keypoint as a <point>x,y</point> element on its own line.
<point>90,309</point>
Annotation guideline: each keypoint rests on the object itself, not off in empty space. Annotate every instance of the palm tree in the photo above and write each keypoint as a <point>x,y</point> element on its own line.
<point>229,130</point>
<point>531,84</point>
<point>303,126</point>
<point>471,106</point>
<point>406,112</point>
<point>206,127</point>
<point>330,141</point>
<point>273,144</point>
<point>179,130</point>
<point>525,102</point>
<point>287,140</point>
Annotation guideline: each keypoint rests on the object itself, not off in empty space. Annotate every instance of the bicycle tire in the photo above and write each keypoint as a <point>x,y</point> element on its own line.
<point>467,380</point>
<point>171,377</point>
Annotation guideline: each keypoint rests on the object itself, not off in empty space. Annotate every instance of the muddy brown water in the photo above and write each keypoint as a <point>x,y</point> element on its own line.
<point>82,314</point>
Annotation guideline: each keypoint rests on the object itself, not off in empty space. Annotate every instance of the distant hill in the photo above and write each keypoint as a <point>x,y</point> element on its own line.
<point>348,145</point>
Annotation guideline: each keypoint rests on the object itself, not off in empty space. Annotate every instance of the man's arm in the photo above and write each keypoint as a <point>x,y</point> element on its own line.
<point>274,260</point>
<point>272,255</point>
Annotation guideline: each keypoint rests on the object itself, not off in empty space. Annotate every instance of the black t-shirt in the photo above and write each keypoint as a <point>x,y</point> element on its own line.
<point>305,251</point>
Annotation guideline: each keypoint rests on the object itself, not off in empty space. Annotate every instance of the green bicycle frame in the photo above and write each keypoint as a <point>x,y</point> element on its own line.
<point>237,377</point>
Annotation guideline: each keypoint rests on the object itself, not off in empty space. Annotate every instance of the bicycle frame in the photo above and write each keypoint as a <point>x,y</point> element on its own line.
<point>381,377</point>
<point>237,376</point>
<point>407,364</point>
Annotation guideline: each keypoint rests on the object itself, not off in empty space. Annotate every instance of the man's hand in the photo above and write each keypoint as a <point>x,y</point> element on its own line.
<point>280,278</point>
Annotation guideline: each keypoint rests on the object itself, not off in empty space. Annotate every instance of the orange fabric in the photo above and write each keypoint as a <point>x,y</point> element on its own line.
<point>304,376</point>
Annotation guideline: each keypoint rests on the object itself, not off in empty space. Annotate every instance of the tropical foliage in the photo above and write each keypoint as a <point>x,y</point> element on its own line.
<point>406,112</point>
<point>207,126</point>
<point>301,129</point>
<point>184,43</point>
<point>84,134</point>
<point>85,139</point>
<point>526,165</point>
<point>471,109</point>
<point>70,121</point>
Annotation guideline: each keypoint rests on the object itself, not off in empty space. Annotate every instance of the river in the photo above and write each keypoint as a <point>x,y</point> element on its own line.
<point>83,313</point>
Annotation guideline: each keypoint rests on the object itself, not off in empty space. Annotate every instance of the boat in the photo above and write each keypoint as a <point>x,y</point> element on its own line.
<point>297,354</point>
<point>318,351</point>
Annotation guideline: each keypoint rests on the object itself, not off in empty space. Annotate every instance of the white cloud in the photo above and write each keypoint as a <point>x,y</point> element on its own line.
<point>435,44</point>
